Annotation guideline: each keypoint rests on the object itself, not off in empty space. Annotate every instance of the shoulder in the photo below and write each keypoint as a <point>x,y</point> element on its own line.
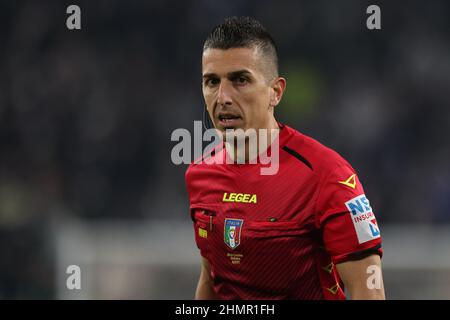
<point>205,164</point>
<point>321,158</point>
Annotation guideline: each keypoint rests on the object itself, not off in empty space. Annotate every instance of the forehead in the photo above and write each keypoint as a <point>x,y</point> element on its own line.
<point>221,61</point>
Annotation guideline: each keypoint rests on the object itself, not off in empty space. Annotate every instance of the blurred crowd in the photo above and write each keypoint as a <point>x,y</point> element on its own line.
<point>86,116</point>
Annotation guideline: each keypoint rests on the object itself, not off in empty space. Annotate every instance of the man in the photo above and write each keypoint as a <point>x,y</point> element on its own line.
<point>310,229</point>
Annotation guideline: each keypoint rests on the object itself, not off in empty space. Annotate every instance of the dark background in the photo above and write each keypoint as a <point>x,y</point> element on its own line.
<point>86,116</point>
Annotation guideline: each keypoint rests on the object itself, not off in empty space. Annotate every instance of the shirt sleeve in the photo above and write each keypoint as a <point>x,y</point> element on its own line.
<point>344,215</point>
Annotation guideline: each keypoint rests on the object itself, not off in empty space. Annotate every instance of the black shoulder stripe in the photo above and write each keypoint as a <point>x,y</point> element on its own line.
<point>298,156</point>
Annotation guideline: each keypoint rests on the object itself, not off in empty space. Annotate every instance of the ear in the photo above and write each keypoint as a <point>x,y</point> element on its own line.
<point>277,90</point>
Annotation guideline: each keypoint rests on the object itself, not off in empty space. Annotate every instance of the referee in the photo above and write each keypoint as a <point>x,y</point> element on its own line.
<point>306,232</point>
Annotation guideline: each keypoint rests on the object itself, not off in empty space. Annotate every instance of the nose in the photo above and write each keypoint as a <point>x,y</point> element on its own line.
<point>224,94</point>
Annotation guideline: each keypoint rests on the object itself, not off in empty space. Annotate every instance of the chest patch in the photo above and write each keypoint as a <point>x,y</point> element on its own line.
<point>232,232</point>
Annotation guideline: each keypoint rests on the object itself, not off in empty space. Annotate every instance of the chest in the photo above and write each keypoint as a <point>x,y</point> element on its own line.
<point>242,193</point>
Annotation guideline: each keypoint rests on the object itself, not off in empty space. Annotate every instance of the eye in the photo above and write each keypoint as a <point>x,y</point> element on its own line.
<point>211,82</point>
<point>241,80</point>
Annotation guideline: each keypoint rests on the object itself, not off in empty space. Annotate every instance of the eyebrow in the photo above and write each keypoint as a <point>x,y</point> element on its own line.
<point>232,74</point>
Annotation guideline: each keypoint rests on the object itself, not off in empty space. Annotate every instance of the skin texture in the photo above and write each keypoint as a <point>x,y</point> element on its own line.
<point>205,283</point>
<point>250,95</point>
<point>238,83</point>
<point>354,275</point>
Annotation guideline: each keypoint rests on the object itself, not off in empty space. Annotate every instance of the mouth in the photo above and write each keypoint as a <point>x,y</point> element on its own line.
<point>228,120</point>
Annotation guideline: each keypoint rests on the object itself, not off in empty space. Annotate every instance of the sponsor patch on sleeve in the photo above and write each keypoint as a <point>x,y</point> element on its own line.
<point>363,218</point>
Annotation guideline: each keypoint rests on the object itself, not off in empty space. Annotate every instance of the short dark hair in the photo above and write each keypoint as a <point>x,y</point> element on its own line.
<point>243,32</point>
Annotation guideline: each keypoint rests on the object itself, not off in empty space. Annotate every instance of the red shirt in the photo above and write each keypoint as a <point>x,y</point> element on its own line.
<point>280,236</point>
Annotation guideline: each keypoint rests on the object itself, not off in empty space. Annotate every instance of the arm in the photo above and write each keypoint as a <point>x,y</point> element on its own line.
<point>363,278</point>
<point>205,289</point>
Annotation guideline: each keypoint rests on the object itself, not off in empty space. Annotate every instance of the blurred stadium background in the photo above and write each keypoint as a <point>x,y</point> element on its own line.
<point>86,118</point>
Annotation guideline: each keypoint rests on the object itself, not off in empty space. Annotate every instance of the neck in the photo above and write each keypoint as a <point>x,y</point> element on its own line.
<point>249,146</point>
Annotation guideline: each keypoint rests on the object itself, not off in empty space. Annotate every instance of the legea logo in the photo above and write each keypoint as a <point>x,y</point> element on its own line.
<point>239,197</point>
<point>250,146</point>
